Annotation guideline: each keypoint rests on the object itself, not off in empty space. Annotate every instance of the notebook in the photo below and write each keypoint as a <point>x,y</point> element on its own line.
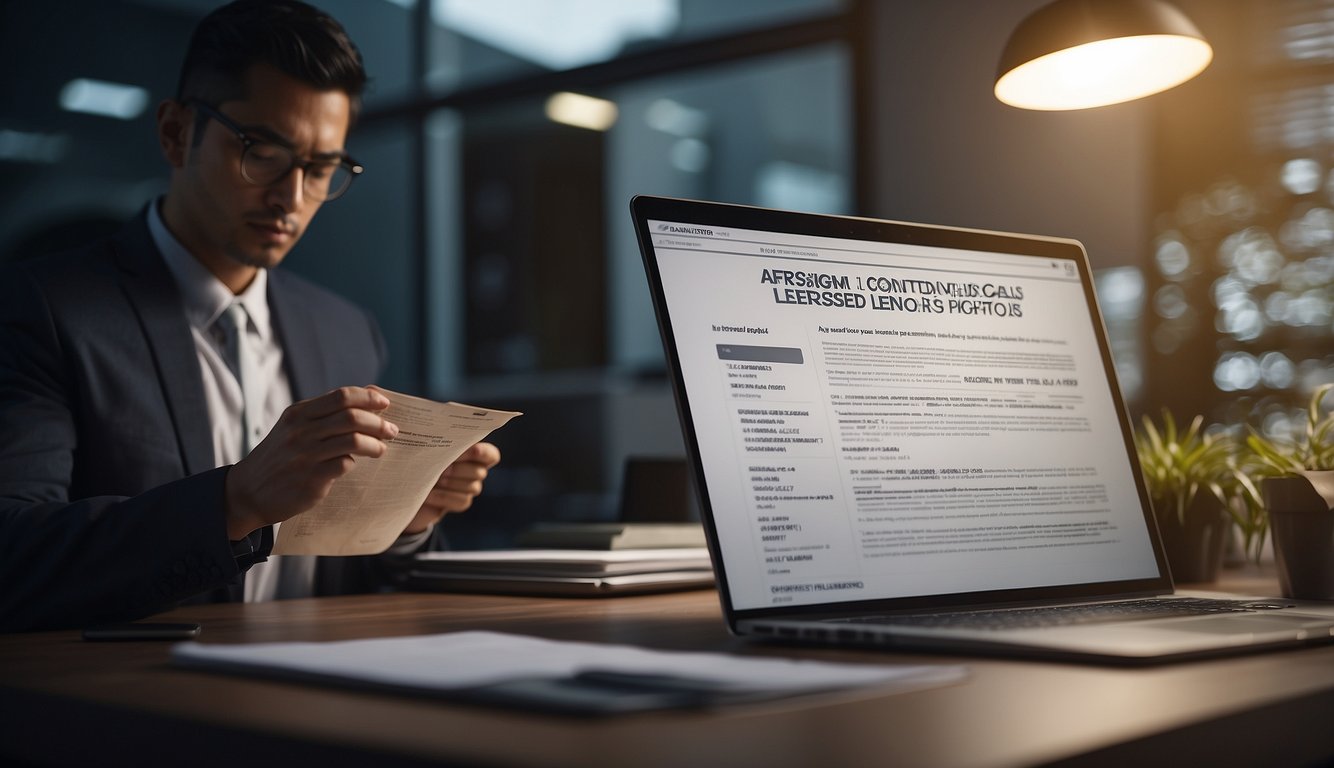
<point>911,436</point>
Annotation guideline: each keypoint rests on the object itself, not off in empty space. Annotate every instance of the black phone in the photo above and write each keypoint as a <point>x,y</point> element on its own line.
<point>143,630</point>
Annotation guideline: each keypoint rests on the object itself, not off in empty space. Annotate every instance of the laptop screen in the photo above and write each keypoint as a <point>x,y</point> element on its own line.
<point>881,411</point>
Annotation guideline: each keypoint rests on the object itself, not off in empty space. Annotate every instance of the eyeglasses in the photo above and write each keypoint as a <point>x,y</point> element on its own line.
<point>265,162</point>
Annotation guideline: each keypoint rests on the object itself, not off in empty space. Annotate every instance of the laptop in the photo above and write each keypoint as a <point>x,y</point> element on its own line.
<point>911,436</point>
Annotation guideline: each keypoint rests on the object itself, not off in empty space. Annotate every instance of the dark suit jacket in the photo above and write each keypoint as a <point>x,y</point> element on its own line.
<point>110,508</point>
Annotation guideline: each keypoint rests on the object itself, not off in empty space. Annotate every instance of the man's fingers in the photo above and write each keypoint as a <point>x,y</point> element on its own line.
<point>314,443</point>
<point>450,496</point>
<point>349,422</point>
<point>344,398</point>
<point>365,422</point>
<point>443,501</point>
<point>348,444</point>
<point>464,472</point>
<point>485,454</point>
<point>334,468</point>
<point>471,487</point>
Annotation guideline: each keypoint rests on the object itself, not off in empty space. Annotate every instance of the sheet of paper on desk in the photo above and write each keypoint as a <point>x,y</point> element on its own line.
<point>568,677</point>
<point>371,505</point>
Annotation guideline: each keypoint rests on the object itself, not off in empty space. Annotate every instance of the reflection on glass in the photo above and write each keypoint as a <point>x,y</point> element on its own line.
<point>690,156</point>
<point>671,116</point>
<point>1313,230</point>
<point>1172,256</point>
<point>1244,321</point>
<point>1252,255</point>
<point>1237,371</point>
<point>1277,306</point>
<point>31,147</point>
<point>1301,176</point>
<point>100,97</point>
<point>797,187</point>
<point>1308,34</point>
<point>1279,423</point>
<point>1121,296</point>
<point>1170,302</point>
<point>775,131</point>
<point>558,34</point>
<point>1296,118</point>
<point>581,111</point>
<point>476,42</point>
<point>1276,370</point>
<point>1271,286</point>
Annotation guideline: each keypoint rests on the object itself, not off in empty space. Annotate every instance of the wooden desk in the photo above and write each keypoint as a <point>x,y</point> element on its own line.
<point>65,701</point>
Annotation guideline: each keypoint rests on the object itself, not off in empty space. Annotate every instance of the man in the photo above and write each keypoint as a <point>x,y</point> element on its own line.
<point>138,375</point>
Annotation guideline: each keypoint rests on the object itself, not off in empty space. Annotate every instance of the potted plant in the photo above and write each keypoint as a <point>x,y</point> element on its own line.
<point>1188,474</point>
<point>1297,484</point>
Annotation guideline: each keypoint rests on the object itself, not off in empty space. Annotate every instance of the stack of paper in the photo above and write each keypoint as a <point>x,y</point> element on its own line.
<point>575,572</point>
<point>613,535</point>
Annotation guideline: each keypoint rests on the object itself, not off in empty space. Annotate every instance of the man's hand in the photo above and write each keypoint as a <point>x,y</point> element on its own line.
<point>458,485</point>
<point>314,443</point>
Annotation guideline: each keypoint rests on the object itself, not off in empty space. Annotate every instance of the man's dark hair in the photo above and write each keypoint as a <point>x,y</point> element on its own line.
<point>293,37</point>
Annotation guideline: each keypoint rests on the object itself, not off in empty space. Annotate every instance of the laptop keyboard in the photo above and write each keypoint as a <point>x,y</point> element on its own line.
<point>1065,615</point>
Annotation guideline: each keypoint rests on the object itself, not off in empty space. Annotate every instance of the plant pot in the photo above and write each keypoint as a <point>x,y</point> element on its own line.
<point>1301,519</point>
<point>1195,549</point>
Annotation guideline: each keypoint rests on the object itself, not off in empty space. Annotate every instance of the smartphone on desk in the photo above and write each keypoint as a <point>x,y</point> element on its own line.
<point>143,630</point>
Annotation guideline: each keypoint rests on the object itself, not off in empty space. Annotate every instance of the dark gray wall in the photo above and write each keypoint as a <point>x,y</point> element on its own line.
<point>947,152</point>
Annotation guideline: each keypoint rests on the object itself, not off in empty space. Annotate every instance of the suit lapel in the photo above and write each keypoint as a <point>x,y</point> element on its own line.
<point>304,362</point>
<point>299,335</point>
<point>153,295</point>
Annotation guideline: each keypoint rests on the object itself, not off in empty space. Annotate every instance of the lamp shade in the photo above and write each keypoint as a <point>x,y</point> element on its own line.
<point>1076,54</point>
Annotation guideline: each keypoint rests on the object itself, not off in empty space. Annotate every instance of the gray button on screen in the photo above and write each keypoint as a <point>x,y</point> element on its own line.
<point>759,354</point>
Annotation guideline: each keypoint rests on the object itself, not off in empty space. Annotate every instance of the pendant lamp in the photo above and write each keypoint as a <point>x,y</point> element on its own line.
<point>1076,54</point>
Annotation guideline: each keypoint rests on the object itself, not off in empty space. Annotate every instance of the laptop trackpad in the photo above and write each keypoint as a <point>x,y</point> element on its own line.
<point>1240,625</point>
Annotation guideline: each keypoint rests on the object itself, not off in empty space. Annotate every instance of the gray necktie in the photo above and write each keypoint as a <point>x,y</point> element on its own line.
<point>241,359</point>
<point>295,574</point>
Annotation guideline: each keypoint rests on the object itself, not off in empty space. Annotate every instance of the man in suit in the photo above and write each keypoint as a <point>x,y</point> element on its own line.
<point>144,459</point>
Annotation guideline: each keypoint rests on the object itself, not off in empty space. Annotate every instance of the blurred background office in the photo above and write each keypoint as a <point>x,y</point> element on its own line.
<point>504,138</point>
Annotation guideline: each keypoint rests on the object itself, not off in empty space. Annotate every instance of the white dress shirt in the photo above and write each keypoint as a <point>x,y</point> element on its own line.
<point>205,299</point>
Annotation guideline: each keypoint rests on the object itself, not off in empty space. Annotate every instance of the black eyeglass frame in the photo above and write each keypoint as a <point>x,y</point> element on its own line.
<point>353,168</point>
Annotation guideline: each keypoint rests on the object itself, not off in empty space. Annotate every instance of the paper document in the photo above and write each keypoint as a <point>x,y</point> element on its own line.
<point>586,678</point>
<point>369,506</point>
<point>545,585</point>
<point>612,535</point>
<point>566,562</point>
